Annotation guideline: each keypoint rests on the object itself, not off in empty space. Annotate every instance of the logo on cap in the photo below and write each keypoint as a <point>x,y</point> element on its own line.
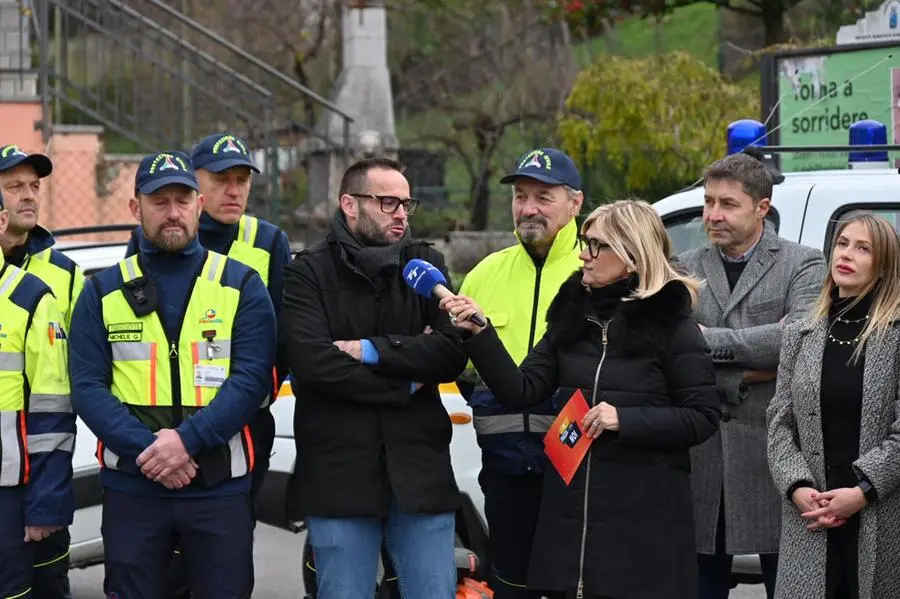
<point>164,162</point>
<point>229,143</point>
<point>11,150</point>
<point>533,158</point>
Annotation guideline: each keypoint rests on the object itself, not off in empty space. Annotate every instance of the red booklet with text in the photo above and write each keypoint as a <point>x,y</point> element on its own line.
<point>566,443</point>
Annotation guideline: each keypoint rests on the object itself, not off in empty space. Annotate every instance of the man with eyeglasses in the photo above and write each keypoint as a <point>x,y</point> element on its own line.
<point>515,287</point>
<point>366,356</point>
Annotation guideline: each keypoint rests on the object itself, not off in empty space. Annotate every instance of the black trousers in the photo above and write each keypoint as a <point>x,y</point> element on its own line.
<point>511,506</point>
<point>262,430</point>
<point>51,567</point>
<point>715,570</point>
<point>215,536</point>
<point>841,565</point>
<point>43,566</point>
<point>16,556</point>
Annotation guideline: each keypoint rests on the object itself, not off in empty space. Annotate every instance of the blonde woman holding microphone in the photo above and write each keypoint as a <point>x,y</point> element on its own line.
<point>621,332</point>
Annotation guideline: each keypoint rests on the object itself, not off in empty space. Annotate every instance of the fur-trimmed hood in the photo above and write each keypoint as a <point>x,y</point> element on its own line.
<point>571,308</point>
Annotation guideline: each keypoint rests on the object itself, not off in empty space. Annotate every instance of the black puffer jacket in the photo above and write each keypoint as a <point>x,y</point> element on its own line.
<point>635,521</point>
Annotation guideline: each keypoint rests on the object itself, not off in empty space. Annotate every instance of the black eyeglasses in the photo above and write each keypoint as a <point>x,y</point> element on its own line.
<point>389,204</point>
<point>594,245</point>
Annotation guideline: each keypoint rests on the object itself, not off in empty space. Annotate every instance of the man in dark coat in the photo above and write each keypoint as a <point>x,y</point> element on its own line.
<point>366,356</point>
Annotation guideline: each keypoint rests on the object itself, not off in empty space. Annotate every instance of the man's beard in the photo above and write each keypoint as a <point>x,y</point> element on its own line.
<point>171,241</point>
<point>532,235</point>
<point>370,233</point>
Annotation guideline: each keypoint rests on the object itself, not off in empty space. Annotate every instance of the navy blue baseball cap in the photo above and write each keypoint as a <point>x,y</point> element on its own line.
<point>165,168</point>
<point>221,151</point>
<point>548,165</point>
<point>13,155</point>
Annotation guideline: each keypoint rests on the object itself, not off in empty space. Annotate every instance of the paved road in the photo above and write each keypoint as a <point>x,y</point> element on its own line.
<point>277,564</point>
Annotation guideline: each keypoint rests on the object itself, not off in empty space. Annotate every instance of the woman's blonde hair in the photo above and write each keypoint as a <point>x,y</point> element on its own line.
<point>635,232</point>
<point>885,283</point>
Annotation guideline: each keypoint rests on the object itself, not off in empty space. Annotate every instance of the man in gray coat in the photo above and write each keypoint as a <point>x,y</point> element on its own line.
<point>756,283</point>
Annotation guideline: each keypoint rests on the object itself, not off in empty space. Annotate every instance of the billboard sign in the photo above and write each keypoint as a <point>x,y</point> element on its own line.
<point>818,93</point>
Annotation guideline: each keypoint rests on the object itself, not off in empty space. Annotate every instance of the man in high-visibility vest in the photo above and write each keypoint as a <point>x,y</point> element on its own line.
<point>29,246</point>
<point>172,356</point>
<point>515,287</point>
<point>225,172</point>
<point>37,425</point>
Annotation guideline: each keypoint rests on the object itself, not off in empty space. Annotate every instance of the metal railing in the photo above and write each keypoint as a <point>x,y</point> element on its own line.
<point>161,83</point>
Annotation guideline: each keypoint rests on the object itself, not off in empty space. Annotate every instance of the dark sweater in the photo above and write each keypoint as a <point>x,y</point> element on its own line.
<point>842,384</point>
<point>733,272</point>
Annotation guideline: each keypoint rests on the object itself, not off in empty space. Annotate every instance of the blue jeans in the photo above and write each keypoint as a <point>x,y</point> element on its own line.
<point>421,547</point>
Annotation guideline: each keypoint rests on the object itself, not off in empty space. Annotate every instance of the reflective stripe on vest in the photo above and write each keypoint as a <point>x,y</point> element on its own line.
<point>14,438</point>
<point>244,251</point>
<point>512,423</point>
<point>163,382</point>
<point>59,280</point>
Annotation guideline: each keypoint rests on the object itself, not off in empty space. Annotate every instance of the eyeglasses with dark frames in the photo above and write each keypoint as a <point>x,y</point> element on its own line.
<point>389,204</point>
<point>593,245</point>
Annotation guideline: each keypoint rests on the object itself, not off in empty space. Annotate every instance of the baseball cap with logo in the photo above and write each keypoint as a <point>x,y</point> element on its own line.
<point>221,151</point>
<point>12,155</point>
<point>548,165</point>
<point>165,168</point>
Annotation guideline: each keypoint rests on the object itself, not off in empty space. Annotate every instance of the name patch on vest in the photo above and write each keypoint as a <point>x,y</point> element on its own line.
<point>125,331</point>
<point>209,376</point>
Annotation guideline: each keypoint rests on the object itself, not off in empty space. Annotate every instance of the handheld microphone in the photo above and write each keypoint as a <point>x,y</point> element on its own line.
<point>426,280</point>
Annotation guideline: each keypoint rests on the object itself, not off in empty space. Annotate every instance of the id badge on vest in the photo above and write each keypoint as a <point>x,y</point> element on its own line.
<point>208,376</point>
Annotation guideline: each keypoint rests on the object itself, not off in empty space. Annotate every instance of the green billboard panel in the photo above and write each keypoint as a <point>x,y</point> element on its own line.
<point>821,95</point>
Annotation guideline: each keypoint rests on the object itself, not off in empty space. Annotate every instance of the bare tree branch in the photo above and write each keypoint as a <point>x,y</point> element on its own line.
<point>451,142</point>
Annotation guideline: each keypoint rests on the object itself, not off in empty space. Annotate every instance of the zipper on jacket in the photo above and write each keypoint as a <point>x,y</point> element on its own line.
<point>174,370</point>
<point>534,305</point>
<point>371,283</point>
<point>176,383</point>
<point>526,424</point>
<point>587,475</point>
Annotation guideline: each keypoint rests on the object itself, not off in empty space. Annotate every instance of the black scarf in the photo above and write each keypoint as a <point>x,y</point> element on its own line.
<point>605,300</point>
<point>370,259</point>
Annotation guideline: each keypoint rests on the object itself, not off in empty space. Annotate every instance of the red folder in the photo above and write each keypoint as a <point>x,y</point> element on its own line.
<point>566,442</point>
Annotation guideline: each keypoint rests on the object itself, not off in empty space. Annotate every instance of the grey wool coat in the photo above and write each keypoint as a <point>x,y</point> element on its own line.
<point>795,452</point>
<point>779,283</point>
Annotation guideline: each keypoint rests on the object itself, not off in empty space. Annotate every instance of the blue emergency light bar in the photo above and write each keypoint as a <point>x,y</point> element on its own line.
<point>743,133</point>
<point>869,133</point>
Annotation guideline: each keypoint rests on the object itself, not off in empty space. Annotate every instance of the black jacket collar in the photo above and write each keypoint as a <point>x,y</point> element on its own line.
<point>570,313</point>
